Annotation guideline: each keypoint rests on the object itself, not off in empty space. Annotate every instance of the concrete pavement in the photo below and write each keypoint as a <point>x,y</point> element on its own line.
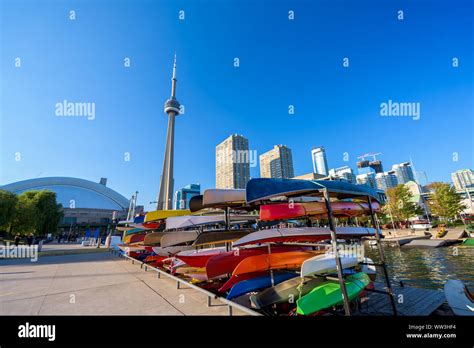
<point>94,284</point>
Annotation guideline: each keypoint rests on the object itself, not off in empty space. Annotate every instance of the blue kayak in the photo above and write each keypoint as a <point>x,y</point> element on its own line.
<point>266,188</point>
<point>258,283</point>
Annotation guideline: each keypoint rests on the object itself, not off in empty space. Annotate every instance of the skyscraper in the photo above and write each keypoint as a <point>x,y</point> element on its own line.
<point>403,172</point>
<point>320,164</point>
<point>367,179</point>
<point>183,196</point>
<point>277,163</point>
<point>386,180</point>
<point>344,173</point>
<point>463,179</point>
<point>171,107</point>
<point>233,162</point>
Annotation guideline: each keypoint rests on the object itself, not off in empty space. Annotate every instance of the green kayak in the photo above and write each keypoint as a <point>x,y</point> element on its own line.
<point>468,242</point>
<point>329,294</point>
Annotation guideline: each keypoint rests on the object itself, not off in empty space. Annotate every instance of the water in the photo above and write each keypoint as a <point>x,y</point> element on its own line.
<point>427,267</point>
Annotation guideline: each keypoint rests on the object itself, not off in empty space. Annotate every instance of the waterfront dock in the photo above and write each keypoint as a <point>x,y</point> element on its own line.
<point>410,301</point>
<point>95,284</point>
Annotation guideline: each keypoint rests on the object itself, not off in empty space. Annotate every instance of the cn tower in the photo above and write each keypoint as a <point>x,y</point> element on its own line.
<point>165,197</point>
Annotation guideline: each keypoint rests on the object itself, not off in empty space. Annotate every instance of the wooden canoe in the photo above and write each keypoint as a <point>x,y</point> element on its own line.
<point>286,260</point>
<point>283,211</point>
<point>153,238</point>
<point>217,237</point>
<point>301,234</point>
<point>178,237</point>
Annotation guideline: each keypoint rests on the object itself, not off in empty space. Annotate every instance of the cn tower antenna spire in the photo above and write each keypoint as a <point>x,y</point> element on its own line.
<point>172,108</point>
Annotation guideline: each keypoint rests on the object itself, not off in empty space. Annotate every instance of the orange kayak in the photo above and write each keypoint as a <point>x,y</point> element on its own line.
<point>287,260</point>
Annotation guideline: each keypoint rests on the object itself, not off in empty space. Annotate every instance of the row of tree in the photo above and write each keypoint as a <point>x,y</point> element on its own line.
<point>443,203</point>
<point>34,212</point>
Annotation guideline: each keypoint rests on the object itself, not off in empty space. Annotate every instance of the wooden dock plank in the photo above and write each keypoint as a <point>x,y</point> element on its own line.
<point>410,301</point>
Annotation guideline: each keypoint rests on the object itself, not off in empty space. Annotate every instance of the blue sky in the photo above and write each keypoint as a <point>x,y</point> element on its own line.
<point>282,63</point>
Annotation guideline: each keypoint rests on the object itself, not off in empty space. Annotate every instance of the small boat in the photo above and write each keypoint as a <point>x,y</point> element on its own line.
<point>178,237</point>
<point>302,234</point>
<point>236,279</point>
<point>288,291</point>
<point>265,189</point>
<point>217,237</point>
<point>163,214</point>
<point>284,211</point>
<point>326,263</point>
<point>258,283</point>
<point>225,263</point>
<point>468,242</point>
<point>199,258</point>
<point>133,238</point>
<point>153,238</point>
<point>329,294</point>
<point>285,260</point>
<point>199,220</point>
<point>172,250</point>
<point>459,298</point>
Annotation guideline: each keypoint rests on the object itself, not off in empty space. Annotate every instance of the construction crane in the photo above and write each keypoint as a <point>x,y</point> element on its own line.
<point>370,154</point>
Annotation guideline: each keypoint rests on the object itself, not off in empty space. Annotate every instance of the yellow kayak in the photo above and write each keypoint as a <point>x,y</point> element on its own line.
<point>164,214</point>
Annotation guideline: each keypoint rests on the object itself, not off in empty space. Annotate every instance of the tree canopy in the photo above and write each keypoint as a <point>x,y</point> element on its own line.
<point>400,204</point>
<point>444,202</point>
<point>34,212</point>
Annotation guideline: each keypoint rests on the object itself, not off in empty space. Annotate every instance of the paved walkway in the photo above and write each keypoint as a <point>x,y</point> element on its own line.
<point>95,284</point>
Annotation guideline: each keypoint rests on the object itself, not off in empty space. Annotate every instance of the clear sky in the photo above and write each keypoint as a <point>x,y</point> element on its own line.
<point>282,62</point>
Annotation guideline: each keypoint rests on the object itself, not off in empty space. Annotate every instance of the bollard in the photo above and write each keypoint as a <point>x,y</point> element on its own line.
<point>230,310</point>
<point>158,274</point>
<point>177,285</point>
<point>209,301</point>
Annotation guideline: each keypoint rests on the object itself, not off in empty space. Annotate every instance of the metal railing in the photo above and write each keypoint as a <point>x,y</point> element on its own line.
<point>210,296</point>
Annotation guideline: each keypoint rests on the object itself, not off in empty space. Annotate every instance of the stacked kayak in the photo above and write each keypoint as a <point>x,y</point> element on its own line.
<point>329,294</point>
<point>468,242</point>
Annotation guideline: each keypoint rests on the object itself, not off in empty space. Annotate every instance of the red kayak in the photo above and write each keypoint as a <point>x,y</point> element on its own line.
<point>152,225</point>
<point>199,258</point>
<point>235,279</point>
<point>224,263</point>
<point>283,211</point>
<point>137,238</point>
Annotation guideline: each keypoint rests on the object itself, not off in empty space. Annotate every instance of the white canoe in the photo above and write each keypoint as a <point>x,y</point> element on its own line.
<point>206,251</point>
<point>326,263</point>
<point>223,196</point>
<point>179,237</point>
<point>301,234</point>
<point>459,298</point>
<point>199,220</point>
<point>172,250</point>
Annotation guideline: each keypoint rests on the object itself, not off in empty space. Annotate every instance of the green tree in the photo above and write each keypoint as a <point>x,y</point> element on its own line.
<point>400,204</point>
<point>49,212</point>
<point>8,202</point>
<point>26,213</point>
<point>444,202</point>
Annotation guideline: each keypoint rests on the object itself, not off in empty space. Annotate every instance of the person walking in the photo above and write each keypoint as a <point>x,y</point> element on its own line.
<point>29,239</point>
<point>17,240</point>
